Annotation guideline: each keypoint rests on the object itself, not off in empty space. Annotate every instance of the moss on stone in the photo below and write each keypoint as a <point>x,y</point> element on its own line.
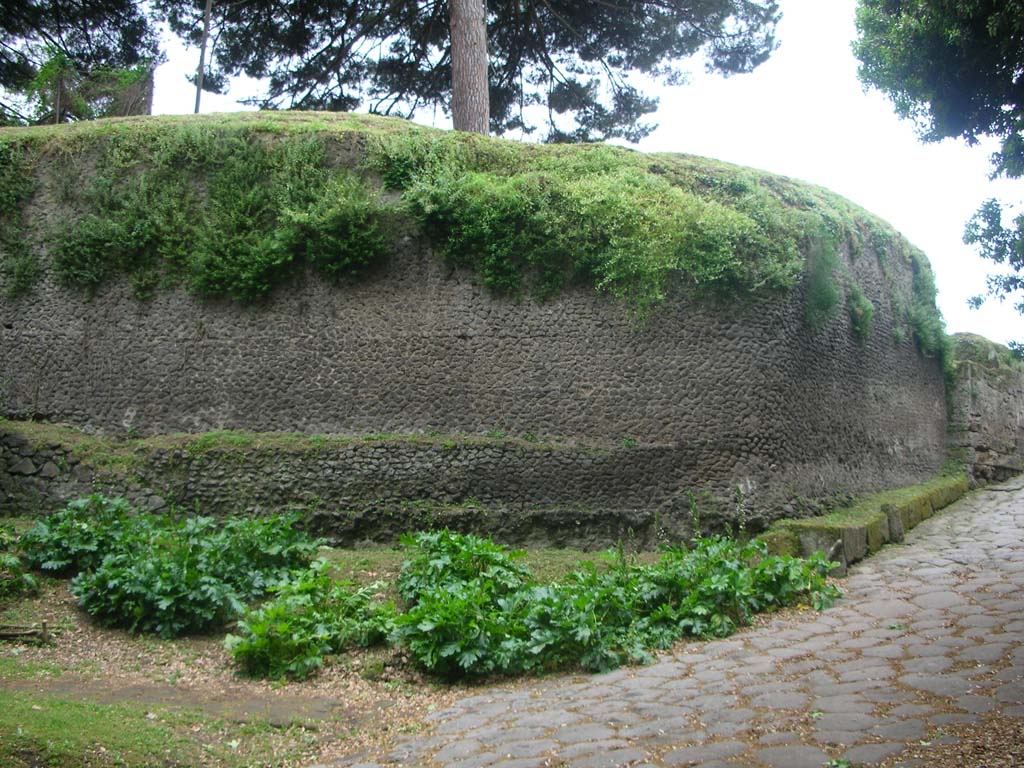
<point>868,516</point>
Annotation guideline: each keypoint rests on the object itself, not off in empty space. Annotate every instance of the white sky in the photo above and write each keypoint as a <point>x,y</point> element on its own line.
<point>802,114</point>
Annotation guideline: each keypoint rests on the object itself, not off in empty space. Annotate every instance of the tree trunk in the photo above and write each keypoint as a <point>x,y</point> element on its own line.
<point>471,109</point>
<point>202,53</point>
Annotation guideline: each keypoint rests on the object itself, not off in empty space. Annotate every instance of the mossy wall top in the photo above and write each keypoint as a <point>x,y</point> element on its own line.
<point>350,274</point>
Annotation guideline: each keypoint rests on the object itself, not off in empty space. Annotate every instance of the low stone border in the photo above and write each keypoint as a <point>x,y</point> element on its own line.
<point>852,533</point>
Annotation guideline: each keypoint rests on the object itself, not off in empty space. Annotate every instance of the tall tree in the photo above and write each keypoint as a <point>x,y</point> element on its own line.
<point>471,107</point>
<point>574,58</point>
<point>956,67</point>
<point>99,34</point>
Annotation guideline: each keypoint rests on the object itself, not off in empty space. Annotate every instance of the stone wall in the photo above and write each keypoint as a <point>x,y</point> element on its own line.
<point>987,424</point>
<point>705,397</point>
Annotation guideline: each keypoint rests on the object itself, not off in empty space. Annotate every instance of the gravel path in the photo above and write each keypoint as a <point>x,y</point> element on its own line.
<point>930,636</point>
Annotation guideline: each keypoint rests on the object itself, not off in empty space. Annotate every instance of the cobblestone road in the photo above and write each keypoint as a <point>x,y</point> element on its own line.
<point>930,633</point>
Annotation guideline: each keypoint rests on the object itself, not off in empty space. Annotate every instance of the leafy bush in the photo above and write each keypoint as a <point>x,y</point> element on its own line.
<point>158,574</point>
<point>171,578</point>
<point>308,617</point>
<point>162,579</point>
<point>475,620</point>
<point>222,212</point>
<point>78,537</point>
<point>443,559</point>
<point>14,581</point>
<point>623,229</point>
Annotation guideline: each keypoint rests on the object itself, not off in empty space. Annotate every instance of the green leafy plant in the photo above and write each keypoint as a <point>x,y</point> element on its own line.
<point>264,211</point>
<point>469,616</point>
<point>307,617</point>
<point>78,537</point>
<point>441,559</point>
<point>175,577</point>
<point>160,574</point>
<point>15,581</point>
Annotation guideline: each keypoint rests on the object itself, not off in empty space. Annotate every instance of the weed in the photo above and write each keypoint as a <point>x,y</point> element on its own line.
<point>308,616</point>
<point>862,312</point>
<point>822,293</point>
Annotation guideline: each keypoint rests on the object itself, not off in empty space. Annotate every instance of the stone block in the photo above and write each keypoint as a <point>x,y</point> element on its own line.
<point>24,467</point>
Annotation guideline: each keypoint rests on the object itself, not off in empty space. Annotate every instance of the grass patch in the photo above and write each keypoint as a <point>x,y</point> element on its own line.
<point>366,566</point>
<point>12,668</point>
<point>40,730</point>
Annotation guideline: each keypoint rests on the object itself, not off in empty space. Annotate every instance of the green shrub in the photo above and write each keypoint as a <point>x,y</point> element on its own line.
<point>78,537</point>
<point>163,580</point>
<point>222,212</point>
<point>340,233</point>
<point>442,559</point>
<point>308,616</point>
<point>625,230</point>
<point>159,574</point>
<point>174,577</point>
<point>14,580</point>
<point>474,620</point>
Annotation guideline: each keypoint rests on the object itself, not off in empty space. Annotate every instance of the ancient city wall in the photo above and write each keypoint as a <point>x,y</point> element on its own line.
<point>708,395</point>
<point>703,398</point>
<point>987,424</point>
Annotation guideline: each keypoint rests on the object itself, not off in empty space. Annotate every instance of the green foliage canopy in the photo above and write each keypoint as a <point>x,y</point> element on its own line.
<point>110,34</point>
<point>956,68</point>
<point>574,58</point>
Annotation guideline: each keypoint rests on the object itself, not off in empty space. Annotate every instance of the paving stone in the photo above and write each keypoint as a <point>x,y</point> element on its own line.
<point>573,734</point>
<point>938,600</point>
<point>792,756</point>
<point>904,730</point>
<point>940,686</point>
<point>887,609</point>
<point>1011,693</point>
<point>616,758</point>
<point>499,736</point>
<point>846,721</point>
<point>928,664</point>
<point>781,737</point>
<point>457,749</point>
<point>531,762</point>
<point>990,653</point>
<point>844,704</point>
<point>873,753</point>
<point>838,738</point>
<point>782,700</point>
<point>975,704</point>
<point>712,751</point>
<point>527,748</point>
<point>910,709</point>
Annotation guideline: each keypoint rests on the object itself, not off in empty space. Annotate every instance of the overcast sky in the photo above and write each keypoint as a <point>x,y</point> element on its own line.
<point>802,114</point>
